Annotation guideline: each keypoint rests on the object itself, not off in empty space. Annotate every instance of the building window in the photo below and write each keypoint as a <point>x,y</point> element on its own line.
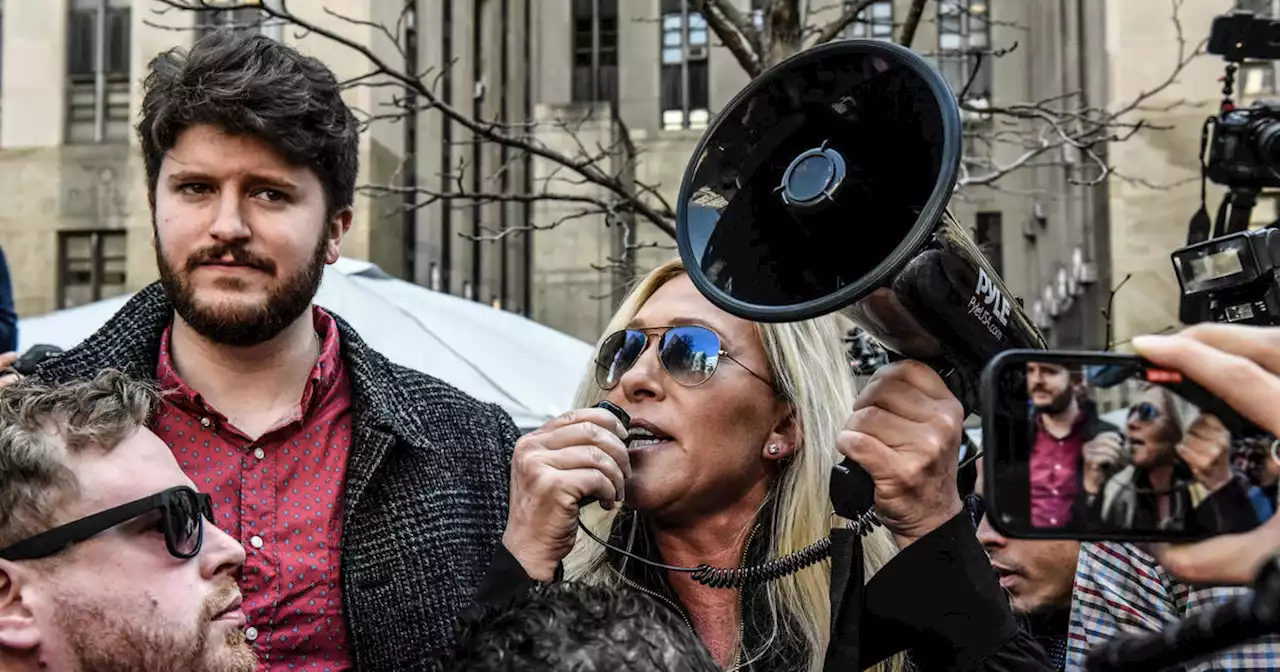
<point>684,67</point>
<point>98,71</point>
<point>595,50</point>
<point>988,238</point>
<point>964,36</point>
<point>875,21</point>
<point>91,266</point>
<point>243,18</point>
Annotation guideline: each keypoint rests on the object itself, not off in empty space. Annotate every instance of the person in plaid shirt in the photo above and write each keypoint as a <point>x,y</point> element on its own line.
<point>1119,588</point>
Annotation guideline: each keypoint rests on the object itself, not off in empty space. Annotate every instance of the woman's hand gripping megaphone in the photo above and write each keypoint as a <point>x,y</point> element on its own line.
<point>905,431</point>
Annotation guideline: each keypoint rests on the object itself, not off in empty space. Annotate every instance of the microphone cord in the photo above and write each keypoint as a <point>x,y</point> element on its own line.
<point>723,577</point>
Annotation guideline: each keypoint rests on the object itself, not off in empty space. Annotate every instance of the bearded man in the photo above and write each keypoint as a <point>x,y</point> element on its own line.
<point>369,497</point>
<point>1069,443</point>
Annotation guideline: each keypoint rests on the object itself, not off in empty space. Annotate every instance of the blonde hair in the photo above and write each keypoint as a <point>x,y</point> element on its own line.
<point>812,371</point>
<point>1180,412</point>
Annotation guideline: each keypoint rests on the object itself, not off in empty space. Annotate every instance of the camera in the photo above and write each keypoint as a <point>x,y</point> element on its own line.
<point>1230,274</point>
<point>1246,147</point>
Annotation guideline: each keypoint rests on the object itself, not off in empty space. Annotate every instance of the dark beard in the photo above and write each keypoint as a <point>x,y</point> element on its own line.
<point>103,641</point>
<point>1058,404</point>
<point>242,326</point>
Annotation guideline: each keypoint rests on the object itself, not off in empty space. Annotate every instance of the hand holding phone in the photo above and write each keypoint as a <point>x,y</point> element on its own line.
<point>1242,365</point>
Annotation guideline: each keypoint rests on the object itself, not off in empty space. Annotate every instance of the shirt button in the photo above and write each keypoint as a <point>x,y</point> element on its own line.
<point>251,633</point>
<point>1053,521</point>
<point>258,453</point>
<point>1054,490</point>
<point>255,541</point>
<point>205,422</point>
<point>1057,467</point>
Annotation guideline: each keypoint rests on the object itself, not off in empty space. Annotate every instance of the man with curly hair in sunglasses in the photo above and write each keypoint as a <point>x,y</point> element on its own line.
<point>108,560</point>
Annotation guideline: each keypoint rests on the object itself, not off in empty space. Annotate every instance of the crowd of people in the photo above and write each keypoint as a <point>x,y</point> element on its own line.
<point>225,478</point>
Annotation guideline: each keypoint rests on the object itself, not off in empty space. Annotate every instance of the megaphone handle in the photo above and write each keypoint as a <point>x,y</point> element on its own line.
<point>625,419</point>
<point>852,490</point>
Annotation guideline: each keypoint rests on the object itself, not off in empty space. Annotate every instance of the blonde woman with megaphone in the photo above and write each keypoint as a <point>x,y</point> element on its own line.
<point>735,427</point>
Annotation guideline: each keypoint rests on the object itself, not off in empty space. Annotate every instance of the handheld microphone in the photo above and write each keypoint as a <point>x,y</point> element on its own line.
<point>624,418</point>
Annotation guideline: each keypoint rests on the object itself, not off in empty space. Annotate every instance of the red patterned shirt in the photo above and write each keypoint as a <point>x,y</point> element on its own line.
<point>1055,471</point>
<point>281,497</point>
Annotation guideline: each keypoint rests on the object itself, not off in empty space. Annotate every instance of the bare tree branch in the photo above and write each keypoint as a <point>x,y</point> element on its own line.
<point>480,197</point>
<point>494,235</point>
<point>742,22</point>
<point>1081,130</point>
<point>485,130</point>
<point>1108,313</point>
<point>912,23</point>
<point>833,30</point>
<point>741,40</point>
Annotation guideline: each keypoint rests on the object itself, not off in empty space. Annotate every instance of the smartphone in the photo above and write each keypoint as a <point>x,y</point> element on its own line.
<point>1083,445</point>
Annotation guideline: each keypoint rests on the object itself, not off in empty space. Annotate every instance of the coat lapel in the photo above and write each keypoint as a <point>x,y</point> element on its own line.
<point>846,600</point>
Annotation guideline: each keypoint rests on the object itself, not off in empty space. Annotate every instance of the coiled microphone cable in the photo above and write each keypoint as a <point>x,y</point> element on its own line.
<point>723,577</point>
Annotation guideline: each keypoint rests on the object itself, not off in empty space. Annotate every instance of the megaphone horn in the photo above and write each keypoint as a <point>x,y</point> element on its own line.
<point>823,186</point>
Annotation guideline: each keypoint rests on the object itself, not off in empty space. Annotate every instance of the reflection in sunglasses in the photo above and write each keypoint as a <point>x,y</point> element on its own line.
<point>689,354</point>
<point>1145,412</point>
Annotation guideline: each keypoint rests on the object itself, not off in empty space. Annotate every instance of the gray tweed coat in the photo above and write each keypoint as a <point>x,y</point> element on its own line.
<point>426,498</point>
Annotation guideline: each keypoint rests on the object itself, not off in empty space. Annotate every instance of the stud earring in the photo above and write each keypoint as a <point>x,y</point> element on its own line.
<point>773,449</point>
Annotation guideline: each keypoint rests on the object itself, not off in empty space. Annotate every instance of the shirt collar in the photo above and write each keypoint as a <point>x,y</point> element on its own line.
<point>323,378</point>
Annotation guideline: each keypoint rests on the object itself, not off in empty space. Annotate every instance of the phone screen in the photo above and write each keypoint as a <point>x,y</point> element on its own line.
<point>1087,447</point>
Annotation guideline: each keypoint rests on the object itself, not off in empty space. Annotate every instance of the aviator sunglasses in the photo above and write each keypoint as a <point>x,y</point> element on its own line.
<point>689,353</point>
<point>1145,412</point>
<point>182,515</point>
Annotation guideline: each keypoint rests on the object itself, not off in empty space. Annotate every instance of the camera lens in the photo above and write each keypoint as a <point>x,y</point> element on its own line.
<point>1267,145</point>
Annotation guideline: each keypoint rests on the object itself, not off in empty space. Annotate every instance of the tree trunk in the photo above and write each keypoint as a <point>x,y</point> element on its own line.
<point>783,31</point>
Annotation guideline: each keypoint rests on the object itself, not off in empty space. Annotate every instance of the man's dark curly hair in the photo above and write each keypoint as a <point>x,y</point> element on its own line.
<point>247,83</point>
<point>575,627</point>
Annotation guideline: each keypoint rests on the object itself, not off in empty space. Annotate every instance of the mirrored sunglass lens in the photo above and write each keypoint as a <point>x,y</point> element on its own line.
<point>1147,412</point>
<point>617,354</point>
<point>184,522</point>
<point>690,354</point>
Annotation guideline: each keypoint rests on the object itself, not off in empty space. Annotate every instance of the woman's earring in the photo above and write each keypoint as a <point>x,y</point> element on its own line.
<point>773,449</point>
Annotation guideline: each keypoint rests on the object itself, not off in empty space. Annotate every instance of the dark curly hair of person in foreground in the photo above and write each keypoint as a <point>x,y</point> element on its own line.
<point>574,627</point>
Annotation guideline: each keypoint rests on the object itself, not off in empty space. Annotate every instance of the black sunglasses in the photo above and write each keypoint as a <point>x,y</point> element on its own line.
<point>183,512</point>
<point>689,353</point>
<point>1145,412</point>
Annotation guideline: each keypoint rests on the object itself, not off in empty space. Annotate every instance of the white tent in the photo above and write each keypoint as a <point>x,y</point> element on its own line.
<point>496,356</point>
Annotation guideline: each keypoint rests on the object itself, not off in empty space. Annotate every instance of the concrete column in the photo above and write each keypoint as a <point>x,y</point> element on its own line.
<point>32,100</point>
